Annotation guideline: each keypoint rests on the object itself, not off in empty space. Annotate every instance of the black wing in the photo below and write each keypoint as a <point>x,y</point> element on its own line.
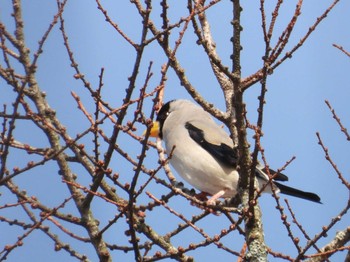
<point>278,177</point>
<point>224,153</point>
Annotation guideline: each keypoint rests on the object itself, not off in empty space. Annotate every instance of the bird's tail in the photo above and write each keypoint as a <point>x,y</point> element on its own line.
<point>298,193</point>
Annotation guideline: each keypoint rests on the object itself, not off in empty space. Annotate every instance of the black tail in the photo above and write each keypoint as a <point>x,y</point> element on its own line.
<point>298,193</point>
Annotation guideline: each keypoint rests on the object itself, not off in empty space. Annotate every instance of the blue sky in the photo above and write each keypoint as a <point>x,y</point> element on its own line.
<point>295,109</point>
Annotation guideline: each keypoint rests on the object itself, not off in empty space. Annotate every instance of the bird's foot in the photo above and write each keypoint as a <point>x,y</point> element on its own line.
<point>212,200</point>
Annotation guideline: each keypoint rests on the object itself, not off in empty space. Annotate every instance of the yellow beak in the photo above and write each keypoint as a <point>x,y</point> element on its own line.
<point>154,130</point>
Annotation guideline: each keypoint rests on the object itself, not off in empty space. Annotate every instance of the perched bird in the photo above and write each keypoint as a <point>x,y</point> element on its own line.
<point>204,155</point>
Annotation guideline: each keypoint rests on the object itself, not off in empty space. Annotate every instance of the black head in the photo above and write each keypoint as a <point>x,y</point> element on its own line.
<point>162,115</point>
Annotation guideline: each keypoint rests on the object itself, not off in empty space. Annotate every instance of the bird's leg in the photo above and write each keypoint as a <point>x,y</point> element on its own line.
<point>219,194</point>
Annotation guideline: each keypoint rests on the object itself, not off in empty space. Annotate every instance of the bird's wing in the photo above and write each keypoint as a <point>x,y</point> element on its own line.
<point>208,137</point>
<point>216,141</point>
<point>277,177</point>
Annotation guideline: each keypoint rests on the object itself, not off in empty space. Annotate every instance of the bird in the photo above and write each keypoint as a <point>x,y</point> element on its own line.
<point>204,155</point>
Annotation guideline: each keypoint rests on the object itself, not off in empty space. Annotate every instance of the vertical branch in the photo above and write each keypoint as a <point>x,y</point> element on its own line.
<point>165,19</point>
<point>221,72</point>
<point>52,129</point>
<point>129,91</point>
<point>236,39</point>
<point>20,42</point>
<point>132,193</point>
<point>97,113</point>
<point>263,81</point>
<point>253,224</point>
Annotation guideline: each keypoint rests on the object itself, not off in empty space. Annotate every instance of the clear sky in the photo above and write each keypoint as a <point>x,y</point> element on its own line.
<point>295,109</point>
